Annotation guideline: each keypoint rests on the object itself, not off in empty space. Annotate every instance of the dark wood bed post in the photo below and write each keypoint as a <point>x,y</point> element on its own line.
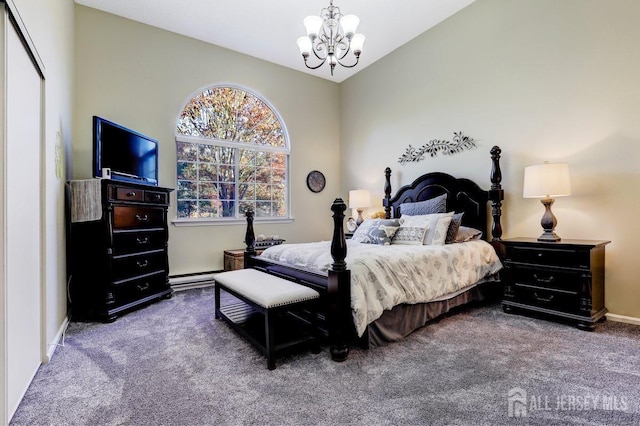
<point>339,288</point>
<point>387,193</point>
<point>496,194</point>
<point>249,239</point>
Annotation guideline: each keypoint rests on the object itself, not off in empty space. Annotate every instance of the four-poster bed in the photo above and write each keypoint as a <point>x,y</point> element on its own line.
<point>335,281</point>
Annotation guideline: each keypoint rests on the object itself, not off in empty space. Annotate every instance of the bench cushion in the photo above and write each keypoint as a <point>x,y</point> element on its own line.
<point>265,289</point>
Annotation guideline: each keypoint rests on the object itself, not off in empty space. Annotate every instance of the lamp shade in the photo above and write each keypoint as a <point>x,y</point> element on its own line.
<point>304,43</point>
<point>546,181</point>
<point>312,25</point>
<point>359,198</point>
<point>357,42</point>
<point>349,24</point>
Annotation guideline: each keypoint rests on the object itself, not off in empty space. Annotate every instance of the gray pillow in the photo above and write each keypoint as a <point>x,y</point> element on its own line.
<point>468,234</point>
<point>376,231</point>
<point>432,205</point>
<point>452,232</point>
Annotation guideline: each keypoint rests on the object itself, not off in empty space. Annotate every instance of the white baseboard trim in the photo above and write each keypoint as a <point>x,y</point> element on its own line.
<point>186,282</point>
<point>56,340</point>
<point>623,318</point>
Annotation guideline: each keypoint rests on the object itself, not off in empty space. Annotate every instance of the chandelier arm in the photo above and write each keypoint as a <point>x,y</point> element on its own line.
<point>350,66</point>
<point>316,49</point>
<point>317,66</point>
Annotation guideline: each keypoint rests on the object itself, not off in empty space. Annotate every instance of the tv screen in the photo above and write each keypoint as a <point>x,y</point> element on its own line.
<point>131,156</point>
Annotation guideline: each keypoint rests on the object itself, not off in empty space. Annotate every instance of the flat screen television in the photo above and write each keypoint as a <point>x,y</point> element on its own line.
<point>130,156</point>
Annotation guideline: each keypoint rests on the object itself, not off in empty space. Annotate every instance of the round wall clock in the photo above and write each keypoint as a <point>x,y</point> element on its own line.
<point>316,181</point>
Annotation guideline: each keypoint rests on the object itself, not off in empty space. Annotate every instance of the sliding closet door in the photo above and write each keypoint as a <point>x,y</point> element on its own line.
<point>22,201</point>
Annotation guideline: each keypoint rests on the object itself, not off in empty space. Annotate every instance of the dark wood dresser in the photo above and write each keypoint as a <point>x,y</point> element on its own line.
<point>562,279</point>
<point>117,247</point>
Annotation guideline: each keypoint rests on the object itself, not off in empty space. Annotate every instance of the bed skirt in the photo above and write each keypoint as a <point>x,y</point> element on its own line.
<point>403,319</point>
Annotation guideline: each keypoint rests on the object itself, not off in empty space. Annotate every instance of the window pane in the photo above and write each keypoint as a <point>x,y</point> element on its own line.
<point>208,171</point>
<point>208,191</point>
<point>228,208</point>
<point>263,209</point>
<point>227,173</point>
<point>187,151</point>
<point>206,153</point>
<point>225,155</point>
<point>247,192</point>
<point>187,208</point>
<point>187,170</point>
<point>263,192</point>
<point>207,209</point>
<point>187,190</point>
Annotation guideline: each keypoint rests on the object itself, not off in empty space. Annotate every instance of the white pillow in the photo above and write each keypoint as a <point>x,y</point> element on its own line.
<point>412,230</point>
<point>438,228</point>
<point>424,229</point>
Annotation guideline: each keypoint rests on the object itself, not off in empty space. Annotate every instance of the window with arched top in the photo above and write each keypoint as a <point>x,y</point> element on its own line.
<point>232,155</point>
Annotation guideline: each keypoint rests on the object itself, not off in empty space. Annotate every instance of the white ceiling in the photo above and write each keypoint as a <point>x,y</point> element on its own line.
<point>268,29</point>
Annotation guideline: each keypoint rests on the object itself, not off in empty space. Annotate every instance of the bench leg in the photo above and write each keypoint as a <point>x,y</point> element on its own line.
<point>217,301</point>
<point>315,344</point>
<point>270,340</point>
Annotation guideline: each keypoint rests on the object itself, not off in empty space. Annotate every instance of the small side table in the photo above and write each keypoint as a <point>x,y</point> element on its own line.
<point>563,279</point>
<point>234,259</point>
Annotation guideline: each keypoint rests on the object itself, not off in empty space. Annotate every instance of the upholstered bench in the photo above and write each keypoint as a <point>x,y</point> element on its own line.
<point>271,297</point>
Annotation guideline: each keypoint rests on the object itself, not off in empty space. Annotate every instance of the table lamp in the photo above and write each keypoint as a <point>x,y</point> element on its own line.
<point>359,199</point>
<point>546,181</point>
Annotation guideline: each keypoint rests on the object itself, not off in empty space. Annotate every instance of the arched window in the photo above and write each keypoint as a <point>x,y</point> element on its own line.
<point>232,155</point>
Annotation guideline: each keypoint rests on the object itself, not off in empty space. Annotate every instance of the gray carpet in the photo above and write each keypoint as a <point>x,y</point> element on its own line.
<point>172,363</point>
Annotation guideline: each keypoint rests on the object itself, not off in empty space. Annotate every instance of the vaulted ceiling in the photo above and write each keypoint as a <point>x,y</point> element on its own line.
<point>268,29</point>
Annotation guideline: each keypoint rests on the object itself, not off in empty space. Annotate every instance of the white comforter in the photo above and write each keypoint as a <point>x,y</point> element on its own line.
<point>385,276</point>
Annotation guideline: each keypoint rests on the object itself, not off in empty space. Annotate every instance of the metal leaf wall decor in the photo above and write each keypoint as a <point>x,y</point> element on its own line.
<point>459,143</point>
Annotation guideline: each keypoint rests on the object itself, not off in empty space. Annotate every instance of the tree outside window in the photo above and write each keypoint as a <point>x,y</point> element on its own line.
<point>232,155</point>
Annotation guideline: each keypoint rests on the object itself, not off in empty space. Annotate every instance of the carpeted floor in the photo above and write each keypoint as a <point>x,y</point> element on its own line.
<point>172,363</point>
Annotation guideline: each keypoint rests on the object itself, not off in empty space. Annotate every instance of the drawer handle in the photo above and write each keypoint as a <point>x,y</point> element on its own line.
<point>143,264</point>
<point>543,299</point>
<point>143,287</point>
<point>142,217</point>
<point>156,197</point>
<point>142,240</point>
<point>131,194</point>
<point>544,280</point>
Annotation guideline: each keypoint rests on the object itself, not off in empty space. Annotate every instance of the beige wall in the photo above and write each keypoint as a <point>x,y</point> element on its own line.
<point>545,80</point>
<point>139,76</point>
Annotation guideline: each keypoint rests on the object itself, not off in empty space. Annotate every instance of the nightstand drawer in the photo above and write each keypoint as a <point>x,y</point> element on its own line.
<point>567,258</point>
<point>549,278</point>
<point>553,299</point>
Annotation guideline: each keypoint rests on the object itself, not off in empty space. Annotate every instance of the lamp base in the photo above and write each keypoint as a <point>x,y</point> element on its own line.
<point>359,220</point>
<point>549,236</point>
<point>548,222</point>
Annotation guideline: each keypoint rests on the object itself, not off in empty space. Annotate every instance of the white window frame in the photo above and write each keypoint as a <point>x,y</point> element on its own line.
<point>239,218</point>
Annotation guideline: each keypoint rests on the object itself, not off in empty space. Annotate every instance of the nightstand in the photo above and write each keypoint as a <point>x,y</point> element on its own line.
<point>234,259</point>
<point>563,279</point>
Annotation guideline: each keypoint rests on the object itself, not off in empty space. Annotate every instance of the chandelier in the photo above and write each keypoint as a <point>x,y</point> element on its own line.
<point>331,36</point>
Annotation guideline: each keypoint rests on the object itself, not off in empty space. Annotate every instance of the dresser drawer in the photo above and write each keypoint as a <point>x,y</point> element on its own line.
<point>549,256</point>
<point>131,265</point>
<point>140,287</point>
<point>133,241</point>
<point>156,197</point>
<point>128,194</point>
<point>135,217</point>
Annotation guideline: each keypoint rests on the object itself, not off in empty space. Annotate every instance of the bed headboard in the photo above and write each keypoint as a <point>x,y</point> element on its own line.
<point>463,195</point>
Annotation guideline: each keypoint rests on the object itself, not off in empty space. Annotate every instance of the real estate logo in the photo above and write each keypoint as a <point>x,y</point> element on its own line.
<point>517,398</point>
<point>522,404</point>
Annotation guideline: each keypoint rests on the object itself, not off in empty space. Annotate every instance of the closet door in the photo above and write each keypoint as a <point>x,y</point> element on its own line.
<point>22,207</point>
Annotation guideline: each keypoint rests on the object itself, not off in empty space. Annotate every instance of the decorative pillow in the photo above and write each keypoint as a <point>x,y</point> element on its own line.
<point>433,205</point>
<point>467,234</point>
<point>412,230</point>
<point>376,231</point>
<point>456,220</point>
<point>438,227</point>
